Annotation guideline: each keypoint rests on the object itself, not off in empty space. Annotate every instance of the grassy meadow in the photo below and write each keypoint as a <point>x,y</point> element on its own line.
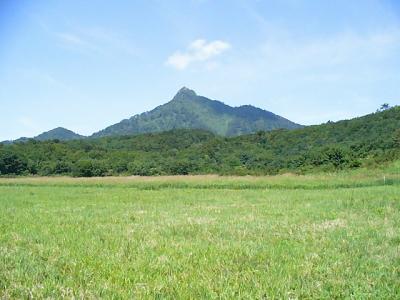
<point>202,237</point>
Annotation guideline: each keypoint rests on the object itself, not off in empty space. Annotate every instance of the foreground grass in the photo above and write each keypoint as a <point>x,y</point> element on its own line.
<point>333,237</point>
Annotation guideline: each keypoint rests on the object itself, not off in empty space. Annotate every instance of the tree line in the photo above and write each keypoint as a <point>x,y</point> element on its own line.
<point>365,141</point>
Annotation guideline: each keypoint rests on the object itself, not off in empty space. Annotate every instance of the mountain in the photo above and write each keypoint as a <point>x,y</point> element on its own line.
<point>368,141</point>
<point>187,110</point>
<point>58,133</point>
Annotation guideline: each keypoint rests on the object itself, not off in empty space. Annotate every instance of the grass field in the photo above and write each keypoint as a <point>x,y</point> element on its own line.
<point>321,236</point>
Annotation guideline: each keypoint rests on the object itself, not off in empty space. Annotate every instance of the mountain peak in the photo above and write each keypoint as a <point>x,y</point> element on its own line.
<point>187,110</point>
<point>59,133</point>
<point>60,129</point>
<point>185,92</point>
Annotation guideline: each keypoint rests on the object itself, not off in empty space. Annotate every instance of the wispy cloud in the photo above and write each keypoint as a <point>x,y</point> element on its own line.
<point>90,39</point>
<point>303,78</point>
<point>96,40</point>
<point>334,51</point>
<point>198,51</point>
<point>109,39</point>
<point>41,77</point>
<point>71,38</point>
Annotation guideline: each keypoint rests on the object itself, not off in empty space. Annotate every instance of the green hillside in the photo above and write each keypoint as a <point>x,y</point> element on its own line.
<point>190,111</point>
<point>58,133</point>
<point>366,141</point>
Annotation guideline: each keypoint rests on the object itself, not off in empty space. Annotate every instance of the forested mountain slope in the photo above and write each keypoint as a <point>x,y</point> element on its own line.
<point>364,141</point>
<point>187,110</point>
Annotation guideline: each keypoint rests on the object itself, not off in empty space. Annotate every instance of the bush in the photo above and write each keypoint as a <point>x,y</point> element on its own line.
<point>89,168</point>
<point>12,164</point>
<point>144,168</point>
<point>181,167</point>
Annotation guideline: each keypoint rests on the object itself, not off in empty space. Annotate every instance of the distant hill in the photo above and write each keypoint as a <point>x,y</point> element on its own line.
<point>58,133</point>
<point>187,110</point>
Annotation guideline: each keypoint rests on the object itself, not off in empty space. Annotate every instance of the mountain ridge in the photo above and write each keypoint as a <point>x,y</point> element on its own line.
<point>191,111</point>
<point>186,110</point>
<point>58,133</point>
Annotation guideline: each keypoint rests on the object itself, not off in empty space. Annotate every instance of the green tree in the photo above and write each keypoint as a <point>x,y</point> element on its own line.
<point>12,163</point>
<point>89,168</point>
<point>384,107</point>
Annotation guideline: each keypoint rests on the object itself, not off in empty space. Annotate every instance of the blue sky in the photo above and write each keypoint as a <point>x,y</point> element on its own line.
<point>85,65</point>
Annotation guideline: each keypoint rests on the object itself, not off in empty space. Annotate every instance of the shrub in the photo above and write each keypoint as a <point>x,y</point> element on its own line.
<point>12,163</point>
<point>89,168</point>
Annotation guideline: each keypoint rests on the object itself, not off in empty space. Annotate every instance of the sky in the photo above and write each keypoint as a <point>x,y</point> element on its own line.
<point>85,65</point>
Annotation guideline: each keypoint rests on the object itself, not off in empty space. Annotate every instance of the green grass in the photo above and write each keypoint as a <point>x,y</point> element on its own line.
<point>322,236</point>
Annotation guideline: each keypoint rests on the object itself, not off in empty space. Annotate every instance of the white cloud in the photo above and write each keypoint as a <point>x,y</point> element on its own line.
<point>198,51</point>
<point>311,80</point>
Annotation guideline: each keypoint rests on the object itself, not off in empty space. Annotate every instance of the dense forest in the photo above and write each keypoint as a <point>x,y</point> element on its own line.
<point>364,141</point>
